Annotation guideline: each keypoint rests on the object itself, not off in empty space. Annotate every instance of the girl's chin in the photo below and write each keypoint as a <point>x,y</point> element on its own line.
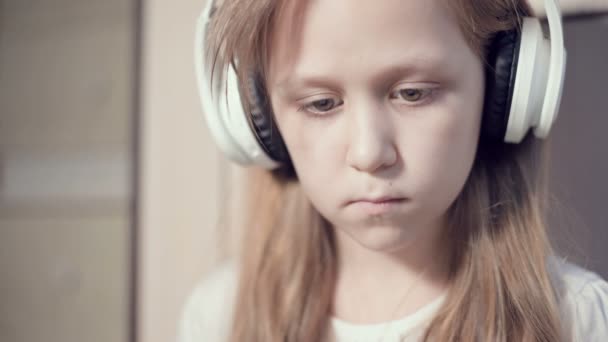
<point>381,238</point>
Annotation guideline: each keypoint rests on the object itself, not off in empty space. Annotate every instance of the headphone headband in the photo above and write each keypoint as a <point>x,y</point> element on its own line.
<point>557,71</point>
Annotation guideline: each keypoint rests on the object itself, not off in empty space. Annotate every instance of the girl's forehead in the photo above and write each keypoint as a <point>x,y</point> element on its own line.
<point>359,17</point>
<point>329,36</point>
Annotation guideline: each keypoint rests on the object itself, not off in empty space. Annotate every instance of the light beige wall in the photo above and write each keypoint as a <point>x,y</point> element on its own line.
<point>183,178</point>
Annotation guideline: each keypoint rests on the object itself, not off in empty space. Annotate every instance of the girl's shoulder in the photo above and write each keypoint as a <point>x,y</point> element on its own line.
<point>583,295</point>
<point>207,313</point>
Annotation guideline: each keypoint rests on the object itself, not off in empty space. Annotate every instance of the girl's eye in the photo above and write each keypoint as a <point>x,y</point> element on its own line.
<point>411,95</point>
<point>322,106</point>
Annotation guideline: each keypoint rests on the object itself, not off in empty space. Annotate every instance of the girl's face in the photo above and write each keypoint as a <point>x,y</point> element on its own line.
<point>376,100</point>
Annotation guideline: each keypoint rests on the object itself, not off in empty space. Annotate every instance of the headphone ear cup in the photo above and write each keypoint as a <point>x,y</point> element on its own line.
<point>501,70</point>
<point>263,123</point>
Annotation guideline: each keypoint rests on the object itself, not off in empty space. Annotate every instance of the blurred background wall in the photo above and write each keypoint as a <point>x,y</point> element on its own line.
<point>111,189</point>
<point>66,98</point>
<point>579,176</point>
<point>184,183</point>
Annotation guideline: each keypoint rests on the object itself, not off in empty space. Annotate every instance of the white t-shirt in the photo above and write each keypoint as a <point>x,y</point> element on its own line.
<point>208,311</point>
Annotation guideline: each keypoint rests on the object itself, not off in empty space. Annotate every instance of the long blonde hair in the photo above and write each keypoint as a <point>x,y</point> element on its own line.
<point>501,289</point>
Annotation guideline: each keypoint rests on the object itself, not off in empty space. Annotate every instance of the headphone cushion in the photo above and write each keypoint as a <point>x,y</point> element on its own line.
<point>263,123</point>
<point>500,80</point>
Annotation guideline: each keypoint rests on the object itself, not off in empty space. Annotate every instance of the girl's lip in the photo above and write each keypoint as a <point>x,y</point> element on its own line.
<point>377,206</point>
<point>378,200</point>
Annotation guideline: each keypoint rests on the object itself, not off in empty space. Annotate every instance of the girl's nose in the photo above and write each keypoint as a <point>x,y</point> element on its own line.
<point>371,145</point>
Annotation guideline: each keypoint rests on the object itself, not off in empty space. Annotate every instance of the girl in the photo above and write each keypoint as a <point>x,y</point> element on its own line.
<point>395,214</point>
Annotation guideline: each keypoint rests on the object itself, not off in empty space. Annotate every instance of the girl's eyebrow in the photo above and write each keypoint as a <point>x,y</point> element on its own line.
<point>291,85</point>
<point>387,74</point>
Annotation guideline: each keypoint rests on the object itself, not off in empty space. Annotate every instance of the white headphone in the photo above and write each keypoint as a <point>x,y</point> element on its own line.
<point>523,90</point>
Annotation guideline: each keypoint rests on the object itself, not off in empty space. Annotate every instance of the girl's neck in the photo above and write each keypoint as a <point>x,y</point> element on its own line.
<point>371,283</point>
